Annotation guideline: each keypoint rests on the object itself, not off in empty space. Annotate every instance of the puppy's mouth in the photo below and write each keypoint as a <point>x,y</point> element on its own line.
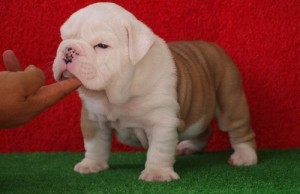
<point>66,75</point>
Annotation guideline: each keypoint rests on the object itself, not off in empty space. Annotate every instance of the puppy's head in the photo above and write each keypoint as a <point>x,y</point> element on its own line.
<point>99,44</point>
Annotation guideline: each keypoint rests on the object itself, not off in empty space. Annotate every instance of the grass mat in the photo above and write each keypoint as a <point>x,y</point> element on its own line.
<point>278,171</point>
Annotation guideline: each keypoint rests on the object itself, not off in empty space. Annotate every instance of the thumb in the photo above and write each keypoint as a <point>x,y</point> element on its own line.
<point>11,62</point>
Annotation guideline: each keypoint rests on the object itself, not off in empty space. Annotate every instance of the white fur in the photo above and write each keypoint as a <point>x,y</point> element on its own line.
<point>243,155</point>
<point>194,130</point>
<point>129,86</point>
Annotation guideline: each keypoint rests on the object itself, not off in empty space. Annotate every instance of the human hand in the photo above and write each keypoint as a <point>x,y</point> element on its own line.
<point>23,94</point>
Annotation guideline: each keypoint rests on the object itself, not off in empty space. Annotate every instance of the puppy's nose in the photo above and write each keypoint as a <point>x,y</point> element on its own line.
<point>70,54</point>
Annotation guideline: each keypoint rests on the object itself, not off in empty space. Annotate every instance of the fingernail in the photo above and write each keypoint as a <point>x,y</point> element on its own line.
<point>8,52</point>
<point>30,67</point>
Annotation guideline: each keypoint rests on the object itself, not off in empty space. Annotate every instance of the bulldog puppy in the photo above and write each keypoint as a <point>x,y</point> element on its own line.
<point>162,97</point>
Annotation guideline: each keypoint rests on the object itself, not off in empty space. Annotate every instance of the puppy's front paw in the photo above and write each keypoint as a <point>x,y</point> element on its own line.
<point>244,155</point>
<point>87,166</point>
<point>158,175</point>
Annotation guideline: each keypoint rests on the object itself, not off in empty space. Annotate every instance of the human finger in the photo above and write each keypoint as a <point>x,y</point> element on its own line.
<point>11,62</point>
<point>50,94</point>
<point>31,80</point>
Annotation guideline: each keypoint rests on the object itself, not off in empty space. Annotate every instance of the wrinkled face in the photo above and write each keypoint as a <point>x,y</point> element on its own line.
<point>101,42</point>
<point>94,49</point>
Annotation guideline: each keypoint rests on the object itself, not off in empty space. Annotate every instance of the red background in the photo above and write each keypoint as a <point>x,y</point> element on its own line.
<point>263,38</point>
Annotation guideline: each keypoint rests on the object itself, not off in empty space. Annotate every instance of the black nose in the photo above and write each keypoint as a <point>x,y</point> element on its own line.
<point>69,55</point>
<point>68,59</point>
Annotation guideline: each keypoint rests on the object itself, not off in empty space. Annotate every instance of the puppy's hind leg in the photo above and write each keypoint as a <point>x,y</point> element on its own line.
<point>195,145</point>
<point>234,117</point>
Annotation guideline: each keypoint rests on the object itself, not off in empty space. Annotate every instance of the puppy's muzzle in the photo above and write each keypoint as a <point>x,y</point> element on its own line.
<point>70,54</point>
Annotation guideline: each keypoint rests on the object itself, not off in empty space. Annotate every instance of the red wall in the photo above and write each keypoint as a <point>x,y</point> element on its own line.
<point>263,38</point>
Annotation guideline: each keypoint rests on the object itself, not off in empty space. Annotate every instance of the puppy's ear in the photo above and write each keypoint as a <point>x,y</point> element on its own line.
<point>140,39</point>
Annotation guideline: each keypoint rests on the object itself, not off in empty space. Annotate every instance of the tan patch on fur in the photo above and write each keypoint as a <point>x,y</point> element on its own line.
<point>87,128</point>
<point>207,79</point>
<point>194,85</point>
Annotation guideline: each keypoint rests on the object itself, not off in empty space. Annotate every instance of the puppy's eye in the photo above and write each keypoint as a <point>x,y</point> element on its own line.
<point>101,45</point>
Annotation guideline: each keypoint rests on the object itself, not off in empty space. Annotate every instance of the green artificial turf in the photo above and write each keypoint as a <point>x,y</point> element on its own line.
<point>278,171</point>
